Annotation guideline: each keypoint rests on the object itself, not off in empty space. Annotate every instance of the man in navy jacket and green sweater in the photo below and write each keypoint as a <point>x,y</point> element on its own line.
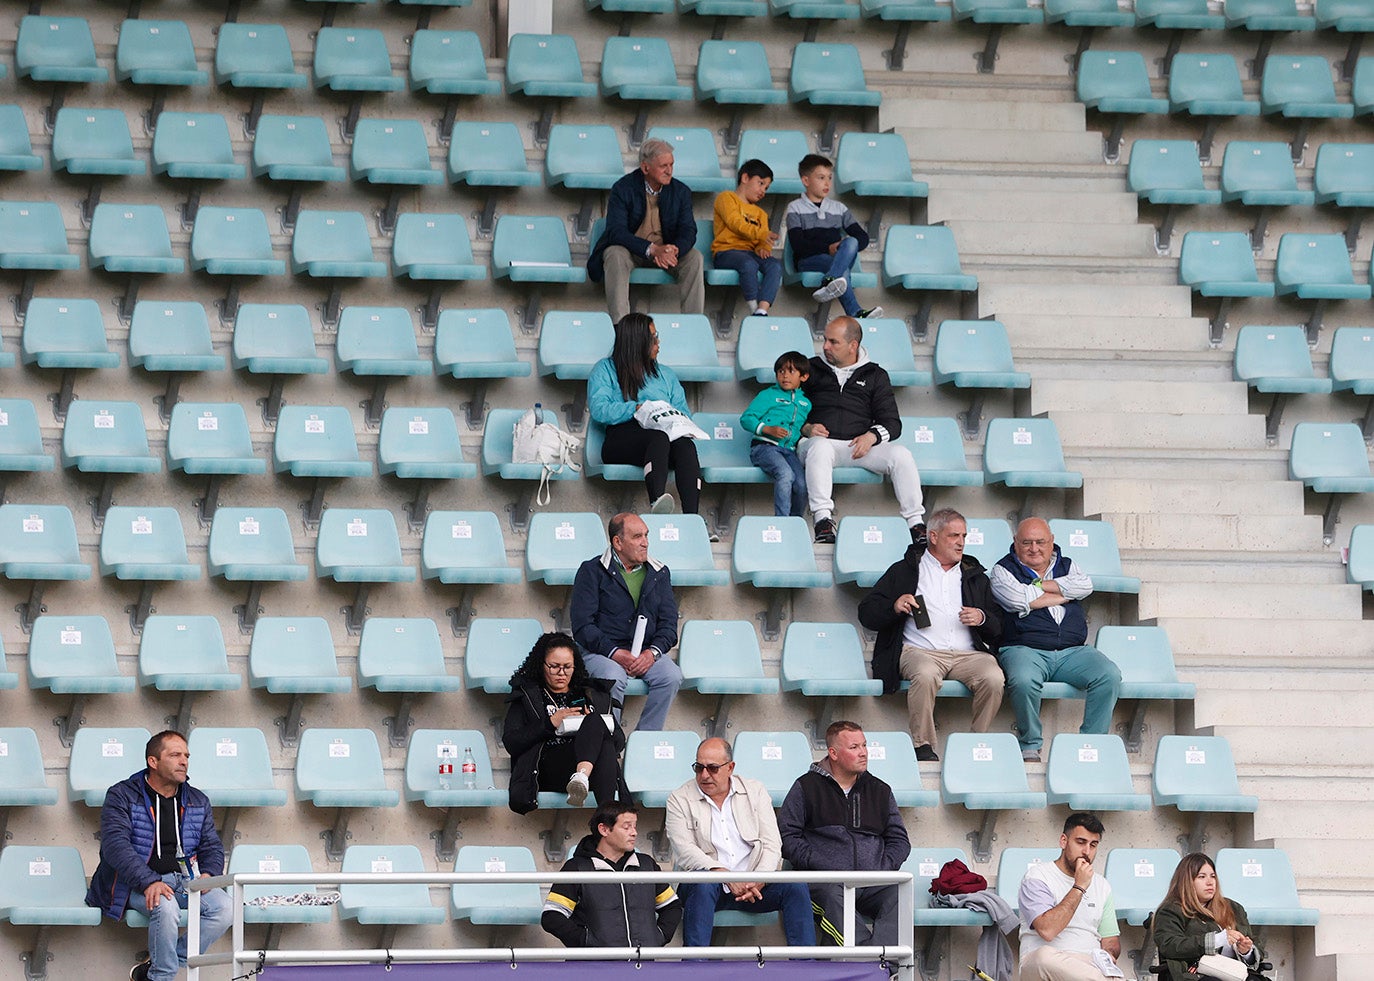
<point>156,834</point>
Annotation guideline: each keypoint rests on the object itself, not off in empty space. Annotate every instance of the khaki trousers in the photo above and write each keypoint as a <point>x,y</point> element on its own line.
<point>926,669</point>
<point>1048,964</point>
<point>618,263</point>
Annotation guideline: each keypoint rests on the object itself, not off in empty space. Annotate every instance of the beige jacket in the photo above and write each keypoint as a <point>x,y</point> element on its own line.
<point>689,826</point>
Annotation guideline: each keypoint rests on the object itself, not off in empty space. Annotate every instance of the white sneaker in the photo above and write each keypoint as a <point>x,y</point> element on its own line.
<point>577,789</point>
<point>663,504</point>
<point>832,290</point>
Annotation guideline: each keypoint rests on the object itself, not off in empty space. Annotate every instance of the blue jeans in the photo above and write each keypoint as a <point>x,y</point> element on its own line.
<point>750,266</point>
<point>789,479</point>
<point>1087,668</point>
<point>166,942</point>
<point>834,267</point>
<point>701,900</point>
<point>663,679</point>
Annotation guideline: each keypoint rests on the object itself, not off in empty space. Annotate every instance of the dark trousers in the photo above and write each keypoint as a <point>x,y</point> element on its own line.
<point>875,903</point>
<point>594,744</point>
<point>630,443</point>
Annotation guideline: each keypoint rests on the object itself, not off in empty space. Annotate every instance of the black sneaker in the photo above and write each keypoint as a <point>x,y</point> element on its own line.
<point>918,534</point>
<point>925,753</point>
<point>872,313</point>
<point>825,531</point>
<point>139,972</point>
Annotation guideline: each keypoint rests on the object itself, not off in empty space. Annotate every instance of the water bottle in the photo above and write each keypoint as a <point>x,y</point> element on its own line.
<point>469,770</point>
<point>538,413</point>
<point>445,774</point>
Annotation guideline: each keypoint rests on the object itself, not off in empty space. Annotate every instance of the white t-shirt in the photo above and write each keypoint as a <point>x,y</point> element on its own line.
<point>943,593</point>
<point>1044,888</point>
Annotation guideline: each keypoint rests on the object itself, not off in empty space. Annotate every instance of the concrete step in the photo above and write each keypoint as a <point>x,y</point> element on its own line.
<point>1044,181</point>
<point>1052,238</point>
<point>1240,679</point>
<point>1129,395</point>
<point>1324,784</point>
<point>1257,600</point>
<point>1087,367</point>
<point>1266,642</point>
<point>1018,205</point>
<point>1193,497</point>
<point>976,146</point>
<point>1015,115</point>
<point>1299,747</point>
<point>1067,299</point>
<point>1208,566</point>
<point>1218,532</point>
<point>1238,704</point>
<point>1182,464</point>
<point>1158,431</point>
<point>1323,820</point>
<point>1115,332</point>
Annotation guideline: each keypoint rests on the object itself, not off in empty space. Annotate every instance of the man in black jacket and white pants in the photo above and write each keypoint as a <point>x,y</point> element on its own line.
<point>853,423</point>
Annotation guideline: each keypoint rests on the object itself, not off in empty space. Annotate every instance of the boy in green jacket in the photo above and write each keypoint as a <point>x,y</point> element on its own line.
<point>775,419</point>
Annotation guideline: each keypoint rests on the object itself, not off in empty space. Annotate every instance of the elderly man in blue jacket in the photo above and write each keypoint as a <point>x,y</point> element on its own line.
<point>609,595</point>
<point>649,225</point>
<point>156,834</point>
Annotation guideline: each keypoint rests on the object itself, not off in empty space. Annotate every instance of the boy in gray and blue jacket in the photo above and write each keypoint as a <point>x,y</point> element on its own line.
<point>775,419</point>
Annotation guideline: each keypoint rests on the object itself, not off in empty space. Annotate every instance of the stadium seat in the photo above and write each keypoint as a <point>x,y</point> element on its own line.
<point>830,76</point>
<point>38,543</point>
<point>406,656</point>
<point>59,50</point>
<point>497,903</point>
<point>594,466</point>
<point>477,344</point>
<point>546,67</point>
<point>1209,86</point>
<point>171,337</point>
<point>1352,367</point>
<point>775,553</point>
<point>984,772</point>
<point>1260,175</point>
<point>975,355</point>
<point>722,658</point>
<point>1330,458</point>
<point>1139,878</point>
<point>925,864</point>
<point>1147,671</point>
<point>317,441</point>
<point>256,57</point>
<point>559,542</point>
<point>1344,176</point>
<point>1011,869</point>
<point>185,654</point>
<point>938,449</point>
<point>683,544</point>
<point>276,340</point>
<point>133,239</point>
<point>1267,18</point>
<point>378,343</point>
<point>996,14</point>
<point>775,759</point>
<point>16,150</point>
<point>360,546</point>
<point>1197,775</point>
<point>101,757</point>
<point>429,746</point>
<point>878,165</point>
<point>583,158</point>
<point>1220,264</point>
<point>1316,267</point>
<point>1092,545</point>
<point>687,345</point>
<point>235,243</point>
<point>925,259</point>
<point>725,456</point>
<point>336,246</point>
<point>1088,15</point>
<point>762,340</point>
<point>106,438</point>
<point>272,858</point>
<point>1176,16</point>
<point>33,238</point>
<point>233,767</point>
<point>497,459</point>
<point>22,780</point>
<point>490,155</point>
<point>147,545</point>
<point>656,764</point>
<point>253,545</point>
<point>74,655</point>
<point>1091,773</point>
<point>640,70</point>
<point>825,661</point>
<point>814,12</point>
<point>452,64</point>
<point>888,342</point>
<point>387,905</point>
<point>465,548</point>
<point>1361,87</point>
<point>1261,879</point>
<point>43,886</point>
<point>294,656</point>
<point>533,249</point>
<point>1347,17</point>
<point>353,60</point>
<point>159,54</point>
<point>1276,361</point>
<point>21,441</point>
<point>421,444</point>
<point>94,142</point>
<point>1301,88</point>
<point>1168,173</point>
<point>858,279</point>
<point>892,759</point>
<point>781,150</point>
<point>294,150</point>
<point>1026,453</point>
<point>570,344</point>
<point>433,248</point>
<point>735,73</point>
<point>865,547</point>
<point>392,153</point>
<point>1117,85</point>
<point>496,647</point>
<point>695,161</point>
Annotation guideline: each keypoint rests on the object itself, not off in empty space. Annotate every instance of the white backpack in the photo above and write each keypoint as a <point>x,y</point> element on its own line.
<point>534,441</point>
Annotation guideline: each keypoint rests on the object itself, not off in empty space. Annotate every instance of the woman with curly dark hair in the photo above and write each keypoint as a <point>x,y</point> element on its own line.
<point>560,731</point>
<point>1196,919</point>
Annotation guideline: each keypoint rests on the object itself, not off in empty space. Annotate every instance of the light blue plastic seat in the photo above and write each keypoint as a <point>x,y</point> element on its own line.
<point>1091,773</point>
<point>426,749</point>
<point>825,660</point>
<point>976,354</point>
<point>731,72</point>
<point>1146,661</point>
<point>497,449</point>
<point>722,657</point>
<point>1343,176</point>
<point>295,655</point>
<point>1260,175</point>
<point>21,441</point>
<point>1262,879</point>
<point>488,154</point>
<point>774,552</point>
<point>1139,878</point>
<point>1316,267</point>
<point>107,437</point>
<point>1359,567</point>
<point>1178,15</point>
<point>996,14</point>
<point>657,763</point>
<point>386,904</point>
<point>1026,453</point>
<point>334,246</point>
<point>1197,774</point>
<point>545,66</point>
<point>147,545</point>
<point>866,546</point>
<point>462,547</point>
<point>56,49</point>
<point>1276,361</point>
<point>294,150</point>
<point>695,161</point>
<point>496,647</point>
<point>496,903</point>
<point>984,772</point>
<point>255,56</point>
<point>101,757</point>
<point>642,70</point>
<point>924,864</point>
<point>393,154</point>
<point>1117,84</point>
<point>433,248</point>
<point>583,156</point>
<point>157,52</point>
<point>378,343</point>
<point>480,345</point>
<point>421,444</point>
<point>1220,264</point>
<point>253,545</point>
<point>572,342</point>
<point>814,9</point>
<point>16,150</point>
<point>781,150</point>
<point>924,258</point>
<point>360,545</point>
<point>559,542</point>
<point>33,237</point>
<point>775,759</point>
<point>1012,866</point>
<point>38,543</point>
<point>22,783</point>
<point>68,334</point>
<point>1168,173</point>
<point>1092,544</point>
<point>724,8</point>
<point>533,249</point>
<point>1087,13</point>
<point>639,275</point>
<point>93,141</point>
<point>1206,85</point>
<point>892,759</point>
<point>1352,360</point>
<point>172,337</point>
<point>829,75</point>
<point>403,655</point>
<point>353,59</point>
<point>276,340</point>
<point>938,449</point>
<point>1301,87</point>
<point>725,456</point>
<point>449,63</point>
<point>317,441</point>
<point>1267,15</point>
<point>876,165</point>
<point>688,346</point>
<point>44,886</point>
<point>594,466</point>
<point>131,238</point>
<point>1330,458</point>
<point>185,654</point>
<point>682,543</point>
<point>233,767</point>
<point>762,339</point>
<point>269,858</point>
<point>233,242</point>
<point>858,278</point>
<point>74,655</point>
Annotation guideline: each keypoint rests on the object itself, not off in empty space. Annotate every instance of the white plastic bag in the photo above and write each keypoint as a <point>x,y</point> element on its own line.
<point>661,415</point>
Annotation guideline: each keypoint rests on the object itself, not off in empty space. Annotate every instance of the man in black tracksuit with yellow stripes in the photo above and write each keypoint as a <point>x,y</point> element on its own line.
<point>839,817</point>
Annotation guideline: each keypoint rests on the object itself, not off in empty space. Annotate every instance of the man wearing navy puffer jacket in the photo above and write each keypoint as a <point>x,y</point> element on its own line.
<point>156,834</point>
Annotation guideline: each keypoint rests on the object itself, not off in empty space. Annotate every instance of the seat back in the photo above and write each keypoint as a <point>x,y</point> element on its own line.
<point>233,766</point>
<point>1164,165</point>
<point>185,653</point>
<point>1216,257</point>
<point>33,236</point>
<point>157,52</point>
<point>352,59</point>
<point>1321,449</point>
<point>822,652</point>
<point>1021,445</point>
<point>392,649</point>
<point>1256,166</point>
<point>211,437</point>
<point>1344,169</point>
<point>449,62</point>
<point>687,344</point>
<point>728,446</point>
<point>1264,352</point>
<point>1200,765</point>
<point>1139,878</point>
<point>1104,75</point>
<point>433,246</point>
<point>378,341</point>
<point>980,346</point>
<point>572,342</point>
<point>781,150</point>
<point>484,902</point>
<point>529,240</point>
<point>287,649</point>
<point>682,543</point>
<point>1261,879</point>
<point>496,647</point>
<point>1011,869</point>
<point>1087,764</point>
<point>488,154</point>
<point>1352,357</point>
<point>194,145</point>
<point>21,438</point>
<point>880,159</point>
<point>251,544</point>
<point>173,336</point>
<point>358,900</point>
<point>1143,654</point>
<point>22,781</point>
<point>771,544</point>
<point>1312,260</point>
<point>988,539</point>
<point>938,449</point>
<point>428,747</point>
<point>274,338</point>
<point>269,858</point>
<point>1201,78</point>
<point>93,141</point>
<point>763,339</point>
<point>338,760</point>
<point>583,157</point>
<point>294,148</point>
<point>233,241</point>
<point>44,885</point>
<point>776,759</point>
<point>637,64</point>
<point>1091,544</point>
<point>56,49</point>
<point>477,344</point>
<point>392,151</point>
<point>314,433</point>
<point>733,71</point>
<point>462,540</point>
<point>866,546</point>
<point>534,61</point>
<point>827,73</point>
<point>131,238</point>
<point>105,436</point>
<point>1291,80</point>
<point>559,542</point>
<point>888,342</point>
<point>719,650</point>
<point>695,161</point>
<point>61,333</point>
<point>925,249</point>
<point>101,757</point>
<point>144,543</point>
<point>925,864</point>
<point>988,762</point>
<point>333,243</point>
<point>657,763</point>
<point>418,437</point>
<point>360,545</point>
<point>38,541</point>
<point>255,56</point>
<point>892,759</point>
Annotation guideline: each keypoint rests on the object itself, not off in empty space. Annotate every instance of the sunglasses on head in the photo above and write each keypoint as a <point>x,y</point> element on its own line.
<point>713,767</point>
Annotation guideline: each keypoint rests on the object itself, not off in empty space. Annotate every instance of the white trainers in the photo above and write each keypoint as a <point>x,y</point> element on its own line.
<point>577,789</point>
<point>832,290</point>
<point>663,504</point>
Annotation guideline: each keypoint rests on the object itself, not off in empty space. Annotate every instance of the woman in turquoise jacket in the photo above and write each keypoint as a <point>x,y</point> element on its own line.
<point>619,385</point>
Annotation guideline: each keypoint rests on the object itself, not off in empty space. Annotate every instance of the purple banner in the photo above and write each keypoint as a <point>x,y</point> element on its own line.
<point>770,970</point>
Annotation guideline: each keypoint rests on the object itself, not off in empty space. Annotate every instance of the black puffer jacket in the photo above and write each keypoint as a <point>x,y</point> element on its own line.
<point>528,728</point>
<point>865,404</point>
<point>609,912</point>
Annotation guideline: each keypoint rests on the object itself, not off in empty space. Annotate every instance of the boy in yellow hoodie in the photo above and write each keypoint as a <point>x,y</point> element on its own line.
<point>742,240</point>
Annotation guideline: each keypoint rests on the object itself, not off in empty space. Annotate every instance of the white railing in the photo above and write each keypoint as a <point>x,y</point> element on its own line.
<point>900,956</point>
